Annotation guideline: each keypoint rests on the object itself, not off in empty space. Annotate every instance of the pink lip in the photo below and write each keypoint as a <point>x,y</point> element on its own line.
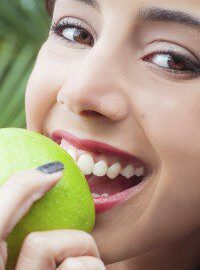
<point>102,204</point>
<point>94,146</point>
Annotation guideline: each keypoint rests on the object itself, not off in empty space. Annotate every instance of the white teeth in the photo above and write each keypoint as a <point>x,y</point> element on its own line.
<point>104,195</point>
<point>114,170</point>
<point>96,195</point>
<point>128,171</point>
<point>72,153</point>
<point>139,171</point>
<point>100,168</point>
<point>86,163</point>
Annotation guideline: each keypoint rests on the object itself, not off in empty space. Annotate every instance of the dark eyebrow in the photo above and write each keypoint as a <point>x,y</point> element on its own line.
<point>157,14</point>
<point>166,15</point>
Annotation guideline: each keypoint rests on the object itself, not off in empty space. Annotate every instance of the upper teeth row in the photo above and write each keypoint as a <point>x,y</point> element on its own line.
<point>87,165</point>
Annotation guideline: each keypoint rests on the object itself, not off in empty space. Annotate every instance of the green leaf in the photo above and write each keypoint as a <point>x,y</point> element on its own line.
<point>24,26</point>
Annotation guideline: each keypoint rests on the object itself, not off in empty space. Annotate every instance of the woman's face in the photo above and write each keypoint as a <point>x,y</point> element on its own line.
<point>131,79</point>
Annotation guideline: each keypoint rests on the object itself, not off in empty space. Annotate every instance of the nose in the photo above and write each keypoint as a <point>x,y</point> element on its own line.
<point>98,87</point>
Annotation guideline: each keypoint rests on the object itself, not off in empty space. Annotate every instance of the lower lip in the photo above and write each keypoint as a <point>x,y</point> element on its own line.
<point>102,204</point>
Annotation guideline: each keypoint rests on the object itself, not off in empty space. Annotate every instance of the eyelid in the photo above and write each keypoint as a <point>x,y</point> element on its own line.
<point>167,75</point>
<point>174,53</point>
<point>166,45</point>
<point>74,20</point>
<point>170,73</point>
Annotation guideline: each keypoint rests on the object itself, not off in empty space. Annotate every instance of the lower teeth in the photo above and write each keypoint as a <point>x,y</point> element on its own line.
<point>129,184</point>
<point>95,195</point>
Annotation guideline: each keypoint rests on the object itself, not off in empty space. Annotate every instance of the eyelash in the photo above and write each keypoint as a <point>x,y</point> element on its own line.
<point>58,28</point>
<point>193,67</point>
<point>61,26</point>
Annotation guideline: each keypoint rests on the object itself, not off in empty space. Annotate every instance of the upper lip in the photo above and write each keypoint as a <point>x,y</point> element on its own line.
<point>95,146</point>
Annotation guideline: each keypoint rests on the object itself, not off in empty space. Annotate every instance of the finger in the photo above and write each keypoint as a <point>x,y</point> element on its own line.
<point>18,194</point>
<point>3,255</point>
<point>54,248</point>
<point>2,264</point>
<point>3,251</point>
<point>83,262</point>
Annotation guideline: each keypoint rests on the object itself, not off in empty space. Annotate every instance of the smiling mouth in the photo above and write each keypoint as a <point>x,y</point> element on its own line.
<point>108,170</point>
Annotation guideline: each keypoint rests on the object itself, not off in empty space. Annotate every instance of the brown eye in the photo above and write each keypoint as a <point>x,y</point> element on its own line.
<point>77,35</point>
<point>167,61</point>
<point>176,63</point>
<point>172,62</point>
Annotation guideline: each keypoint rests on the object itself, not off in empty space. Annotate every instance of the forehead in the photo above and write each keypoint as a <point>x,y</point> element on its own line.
<point>129,6</point>
<point>190,3</point>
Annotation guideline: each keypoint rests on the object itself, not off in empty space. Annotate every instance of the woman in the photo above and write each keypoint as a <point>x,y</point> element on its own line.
<point>124,75</point>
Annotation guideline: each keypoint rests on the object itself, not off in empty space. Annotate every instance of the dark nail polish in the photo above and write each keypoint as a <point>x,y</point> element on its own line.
<point>51,167</point>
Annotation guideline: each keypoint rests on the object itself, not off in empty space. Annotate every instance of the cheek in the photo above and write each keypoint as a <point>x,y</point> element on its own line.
<point>172,120</point>
<point>44,84</point>
<point>40,95</point>
<point>172,125</point>
<point>176,127</point>
<point>53,67</point>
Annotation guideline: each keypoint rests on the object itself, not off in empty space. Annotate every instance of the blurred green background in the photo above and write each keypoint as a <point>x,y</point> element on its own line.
<point>24,25</point>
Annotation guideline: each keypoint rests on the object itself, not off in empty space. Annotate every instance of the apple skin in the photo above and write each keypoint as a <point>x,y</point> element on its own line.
<point>69,205</point>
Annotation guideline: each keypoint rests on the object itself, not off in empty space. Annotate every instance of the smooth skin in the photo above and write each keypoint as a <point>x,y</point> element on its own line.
<point>112,92</point>
<point>42,250</point>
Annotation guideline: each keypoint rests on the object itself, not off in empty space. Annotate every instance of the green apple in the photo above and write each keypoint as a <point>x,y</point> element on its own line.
<point>69,205</point>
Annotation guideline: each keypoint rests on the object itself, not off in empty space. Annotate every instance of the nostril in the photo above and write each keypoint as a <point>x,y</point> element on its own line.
<point>91,113</point>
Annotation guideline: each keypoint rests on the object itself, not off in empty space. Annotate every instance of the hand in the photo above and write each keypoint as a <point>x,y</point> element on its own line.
<point>61,250</point>
<point>17,196</point>
<point>42,250</point>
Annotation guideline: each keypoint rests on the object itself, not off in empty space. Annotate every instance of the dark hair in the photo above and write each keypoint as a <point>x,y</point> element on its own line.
<point>50,6</point>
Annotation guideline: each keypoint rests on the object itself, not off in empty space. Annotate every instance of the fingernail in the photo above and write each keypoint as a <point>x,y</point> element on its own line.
<point>74,263</point>
<point>51,167</point>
